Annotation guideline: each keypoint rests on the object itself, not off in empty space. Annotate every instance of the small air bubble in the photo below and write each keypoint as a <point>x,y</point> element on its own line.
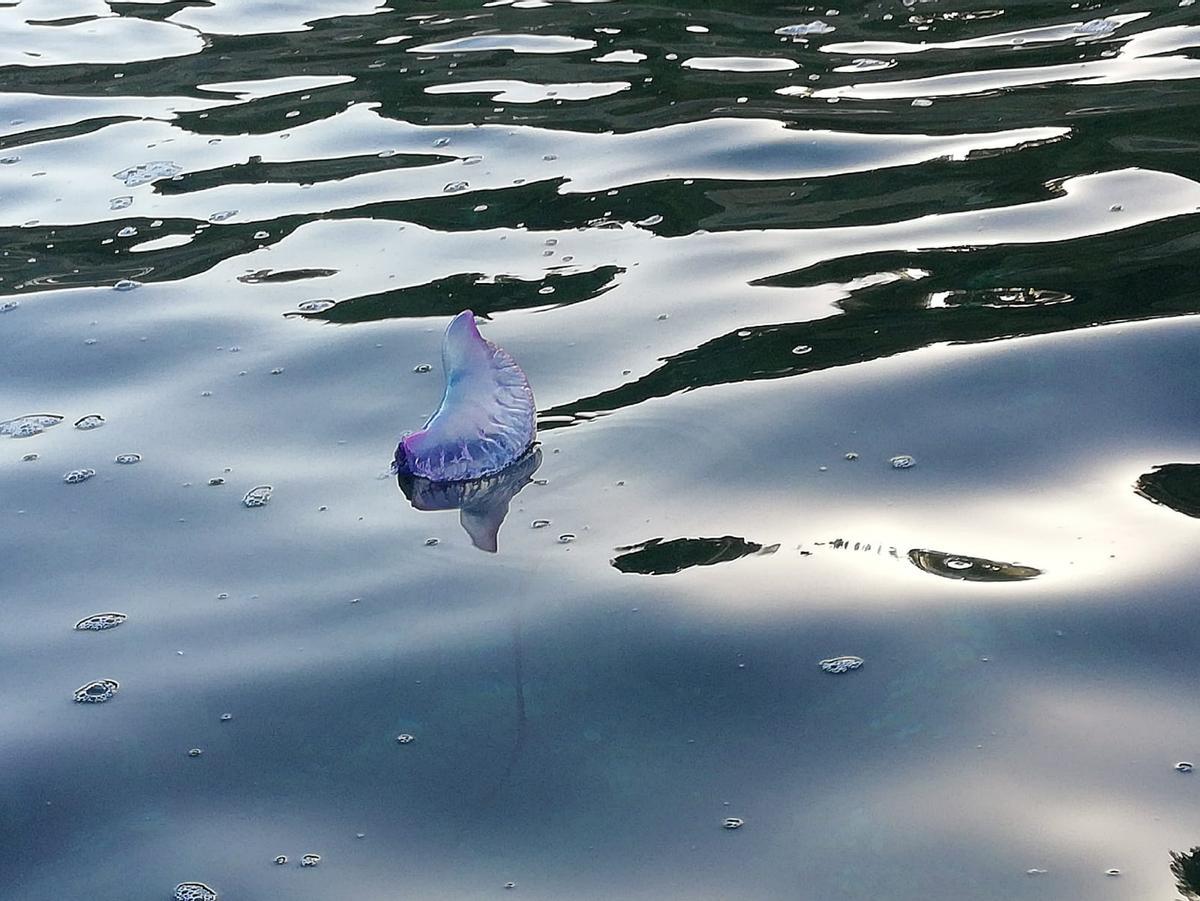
<point>404,738</point>
<point>539,524</point>
<point>455,186</point>
<point>195,752</point>
<point>432,542</point>
<point>566,538</point>
<point>1184,767</point>
<point>126,284</point>
<point>422,368</point>
<point>733,823</point>
<point>222,215</point>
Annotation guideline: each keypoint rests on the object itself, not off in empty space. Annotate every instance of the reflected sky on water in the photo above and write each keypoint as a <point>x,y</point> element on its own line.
<point>743,272</point>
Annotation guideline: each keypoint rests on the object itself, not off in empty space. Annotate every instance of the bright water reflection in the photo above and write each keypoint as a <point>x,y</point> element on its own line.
<point>746,256</point>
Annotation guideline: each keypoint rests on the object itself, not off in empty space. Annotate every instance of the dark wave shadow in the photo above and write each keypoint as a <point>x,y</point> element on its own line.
<point>482,503</point>
<point>657,557</point>
<point>898,302</point>
<point>473,291</point>
<point>1174,485</point>
<point>1185,867</point>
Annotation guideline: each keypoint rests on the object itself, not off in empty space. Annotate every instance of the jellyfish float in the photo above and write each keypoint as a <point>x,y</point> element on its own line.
<point>486,420</point>
<point>477,450</point>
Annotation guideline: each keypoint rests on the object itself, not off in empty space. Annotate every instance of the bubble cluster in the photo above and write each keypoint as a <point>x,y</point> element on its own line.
<point>257,497</point>
<point>902,461</point>
<point>455,186</point>
<point>145,173</point>
<point>97,692</point>
<point>127,459</point>
<point>8,306</point>
<point>1097,27</point>
<point>404,738</point>
<point>843,664</point>
<point>315,306</point>
<point>27,426</point>
<point>222,215</point>
<point>865,64</point>
<point>195,891</point>
<point>89,422</point>
<point>804,29</point>
<point>310,860</point>
<point>120,203</point>
<point>75,476</point>
<point>98,622</point>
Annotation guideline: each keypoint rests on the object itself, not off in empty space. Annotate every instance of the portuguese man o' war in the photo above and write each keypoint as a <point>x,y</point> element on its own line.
<point>482,503</point>
<point>486,420</point>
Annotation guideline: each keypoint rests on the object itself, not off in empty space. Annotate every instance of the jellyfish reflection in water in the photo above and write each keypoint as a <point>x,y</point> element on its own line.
<point>482,503</point>
<point>970,569</point>
<point>1185,867</point>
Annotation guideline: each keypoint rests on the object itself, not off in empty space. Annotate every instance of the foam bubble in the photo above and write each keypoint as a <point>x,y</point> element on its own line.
<point>843,664</point>
<point>75,476</point>
<point>26,426</point>
<point>144,173</point>
<point>258,497</point>
<point>98,622</point>
<point>195,891</point>
<point>97,692</point>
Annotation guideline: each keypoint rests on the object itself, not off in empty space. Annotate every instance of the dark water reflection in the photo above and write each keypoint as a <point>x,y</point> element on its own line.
<point>749,271</point>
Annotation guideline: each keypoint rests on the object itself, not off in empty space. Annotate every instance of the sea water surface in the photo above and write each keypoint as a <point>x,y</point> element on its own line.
<point>865,331</point>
